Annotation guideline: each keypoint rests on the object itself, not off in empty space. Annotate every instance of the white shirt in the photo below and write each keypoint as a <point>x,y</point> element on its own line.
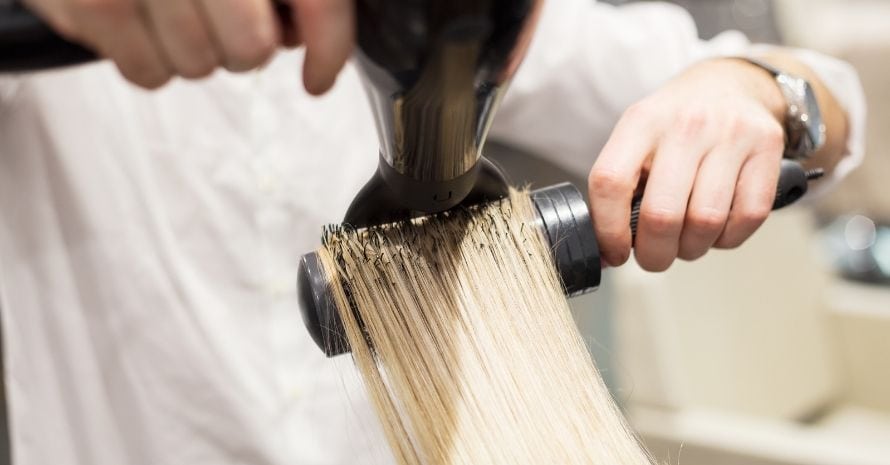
<point>149,240</point>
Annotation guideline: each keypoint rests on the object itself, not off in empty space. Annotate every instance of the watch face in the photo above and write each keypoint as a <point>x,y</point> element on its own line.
<point>815,127</point>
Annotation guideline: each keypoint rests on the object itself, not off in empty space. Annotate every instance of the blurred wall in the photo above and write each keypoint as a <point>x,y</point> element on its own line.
<point>753,17</point>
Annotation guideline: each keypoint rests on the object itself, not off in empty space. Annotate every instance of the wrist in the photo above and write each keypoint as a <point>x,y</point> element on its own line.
<point>762,86</point>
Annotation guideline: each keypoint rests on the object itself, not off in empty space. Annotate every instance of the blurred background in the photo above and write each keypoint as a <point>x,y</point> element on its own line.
<point>777,353</point>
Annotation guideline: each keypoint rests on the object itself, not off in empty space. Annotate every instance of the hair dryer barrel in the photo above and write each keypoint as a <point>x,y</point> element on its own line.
<point>434,72</point>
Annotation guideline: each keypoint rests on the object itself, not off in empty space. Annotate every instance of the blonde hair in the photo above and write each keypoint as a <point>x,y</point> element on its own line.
<point>463,336</point>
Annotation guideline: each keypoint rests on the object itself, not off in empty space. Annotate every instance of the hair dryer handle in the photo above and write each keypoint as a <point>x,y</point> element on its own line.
<point>793,184</point>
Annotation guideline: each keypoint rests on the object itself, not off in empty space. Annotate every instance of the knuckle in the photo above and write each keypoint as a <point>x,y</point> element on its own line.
<point>637,111</point>
<point>252,48</point>
<point>754,215</point>
<point>603,180</point>
<point>690,122</point>
<point>707,220</point>
<point>661,221</point>
<point>739,128</point>
<point>773,137</point>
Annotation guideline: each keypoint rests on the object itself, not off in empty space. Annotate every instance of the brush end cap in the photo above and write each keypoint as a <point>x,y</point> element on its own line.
<point>566,222</point>
<point>318,308</point>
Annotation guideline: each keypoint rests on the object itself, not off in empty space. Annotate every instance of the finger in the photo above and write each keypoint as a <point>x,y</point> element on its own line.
<point>116,30</point>
<point>667,193</point>
<point>180,28</point>
<point>613,180</point>
<point>246,31</point>
<point>327,28</point>
<point>752,202</point>
<point>711,200</point>
<point>756,187</point>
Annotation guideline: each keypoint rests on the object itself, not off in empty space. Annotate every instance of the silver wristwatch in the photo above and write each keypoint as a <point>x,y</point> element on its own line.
<point>804,128</point>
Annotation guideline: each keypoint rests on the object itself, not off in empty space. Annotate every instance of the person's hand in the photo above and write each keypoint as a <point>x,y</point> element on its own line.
<point>708,146</point>
<point>153,40</point>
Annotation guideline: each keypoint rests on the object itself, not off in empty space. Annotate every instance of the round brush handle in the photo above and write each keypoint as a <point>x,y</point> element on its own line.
<point>793,184</point>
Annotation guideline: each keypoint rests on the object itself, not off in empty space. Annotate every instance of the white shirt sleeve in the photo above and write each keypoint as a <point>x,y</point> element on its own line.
<point>589,61</point>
